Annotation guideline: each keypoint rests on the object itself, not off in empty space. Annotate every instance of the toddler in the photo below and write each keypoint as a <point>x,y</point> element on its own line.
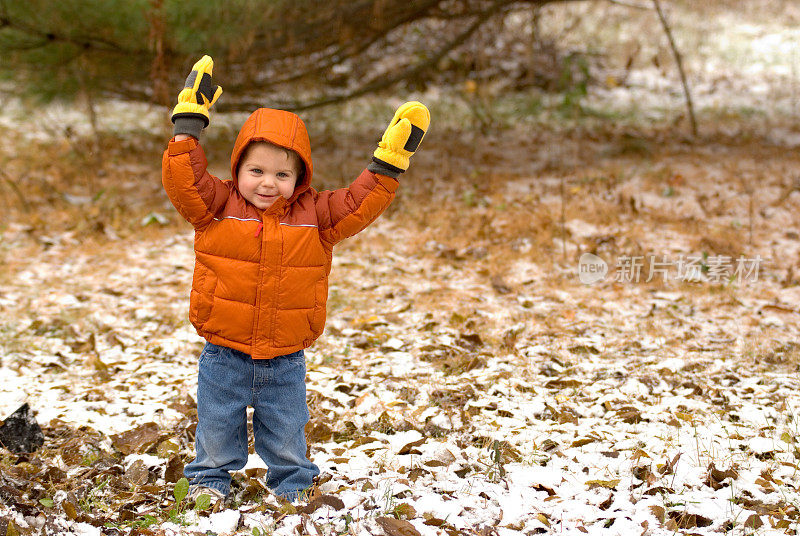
<point>263,247</point>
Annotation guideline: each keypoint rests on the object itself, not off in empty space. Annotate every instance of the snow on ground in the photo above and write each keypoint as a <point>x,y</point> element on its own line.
<point>607,409</point>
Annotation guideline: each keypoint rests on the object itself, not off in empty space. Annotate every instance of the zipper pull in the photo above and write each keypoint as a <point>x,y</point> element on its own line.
<point>258,231</point>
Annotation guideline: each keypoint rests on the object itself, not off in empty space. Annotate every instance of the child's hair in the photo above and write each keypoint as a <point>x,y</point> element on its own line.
<point>291,155</point>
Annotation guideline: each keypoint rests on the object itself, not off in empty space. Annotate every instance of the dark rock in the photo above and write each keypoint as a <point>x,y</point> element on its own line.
<point>20,433</point>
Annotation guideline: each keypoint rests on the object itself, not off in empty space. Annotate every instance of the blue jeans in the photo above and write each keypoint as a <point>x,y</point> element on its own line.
<point>228,382</point>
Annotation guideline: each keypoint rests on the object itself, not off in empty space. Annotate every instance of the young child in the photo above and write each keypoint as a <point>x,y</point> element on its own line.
<point>263,248</point>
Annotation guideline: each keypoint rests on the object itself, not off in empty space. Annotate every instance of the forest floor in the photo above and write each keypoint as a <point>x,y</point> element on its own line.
<point>477,373</point>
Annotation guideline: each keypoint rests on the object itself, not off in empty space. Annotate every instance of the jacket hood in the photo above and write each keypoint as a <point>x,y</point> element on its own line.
<point>281,128</point>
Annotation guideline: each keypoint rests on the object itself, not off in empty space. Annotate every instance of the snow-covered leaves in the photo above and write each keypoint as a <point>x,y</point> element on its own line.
<point>518,411</point>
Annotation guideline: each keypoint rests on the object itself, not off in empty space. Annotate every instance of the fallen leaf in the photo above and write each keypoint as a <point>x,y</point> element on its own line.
<point>405,511</point>
<point>629,415</point>
<point>715,478</point>
<point>685,520</point>
<point>363,441</point>
<point>409,448</point>
<point>318,432</point>
<point>584,350</point>
<point>138,440</point>
<point>137,474</point>
<point>70,509</point>
<point>753,522</point>
<point>548,445</point>
<point>609,484</point>
<point>167,448</point>
<point>499,285</point>
<point>541,487</point>
<point>322,500</point>
<point>659,490</point>
<point>174,470</point>
<point>659,512</point>
<point>397,527</point>
<point>94,362</point>
<point>563,383</point>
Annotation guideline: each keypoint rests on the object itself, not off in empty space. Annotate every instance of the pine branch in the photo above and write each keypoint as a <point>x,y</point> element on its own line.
<point>300,43</point>
<point>50,36</point>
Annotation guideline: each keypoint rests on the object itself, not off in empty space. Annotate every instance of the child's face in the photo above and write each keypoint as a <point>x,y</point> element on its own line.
<point>266,173</point>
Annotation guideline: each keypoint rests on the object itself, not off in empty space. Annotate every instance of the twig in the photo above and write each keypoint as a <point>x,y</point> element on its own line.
<point>679,61</point>
<point>15,188</point>
<point>563,218</point>
<point>795,187</point>
<point>629,4</point>
<point>158,68</point>
<point>747,181</point>
<point>750,209</point>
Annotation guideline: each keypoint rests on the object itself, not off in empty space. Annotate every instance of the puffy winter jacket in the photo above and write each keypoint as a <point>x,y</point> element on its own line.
<point>260,280</point>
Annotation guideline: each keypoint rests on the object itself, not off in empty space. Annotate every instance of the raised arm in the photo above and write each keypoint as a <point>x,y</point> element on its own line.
<point>347,211</point>
<point>196,194</point>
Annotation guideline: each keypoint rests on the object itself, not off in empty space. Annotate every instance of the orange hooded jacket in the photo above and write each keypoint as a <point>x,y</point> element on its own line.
<point>260,280</point>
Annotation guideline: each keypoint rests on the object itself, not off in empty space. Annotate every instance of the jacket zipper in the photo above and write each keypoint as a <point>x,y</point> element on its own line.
<point>278,278</point>
<point>257,315</point>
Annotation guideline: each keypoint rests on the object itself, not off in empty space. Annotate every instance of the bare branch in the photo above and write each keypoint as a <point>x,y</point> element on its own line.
<point>633,5</point>
<point>679,62</point>
<point>12,184</point>
<point>382,82</point>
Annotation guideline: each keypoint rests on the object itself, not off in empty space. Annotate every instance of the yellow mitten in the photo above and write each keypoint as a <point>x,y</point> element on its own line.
<point>198,95</point>
<point>402,138</point>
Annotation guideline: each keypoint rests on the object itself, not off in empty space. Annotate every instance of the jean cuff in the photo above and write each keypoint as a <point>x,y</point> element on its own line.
<point>222,488</point>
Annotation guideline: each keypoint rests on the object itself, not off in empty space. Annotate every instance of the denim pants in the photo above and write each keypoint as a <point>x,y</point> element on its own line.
<point>228,382</point>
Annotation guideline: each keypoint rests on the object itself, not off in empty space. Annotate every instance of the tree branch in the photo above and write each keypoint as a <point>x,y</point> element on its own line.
<point>382,82</point>
<point>52,37</point>
<point>679,62</point>
<point>266,56</point>
<point>629,4</point>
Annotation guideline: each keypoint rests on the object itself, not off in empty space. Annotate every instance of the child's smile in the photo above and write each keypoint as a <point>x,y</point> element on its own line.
<point>266,173</point>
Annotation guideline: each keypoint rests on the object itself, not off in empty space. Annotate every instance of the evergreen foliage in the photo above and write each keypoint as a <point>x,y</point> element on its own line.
<point>291,53</point>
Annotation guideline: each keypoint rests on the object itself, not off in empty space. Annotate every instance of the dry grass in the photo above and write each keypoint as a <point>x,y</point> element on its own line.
<point>537,186</point>
<point>676,199</point>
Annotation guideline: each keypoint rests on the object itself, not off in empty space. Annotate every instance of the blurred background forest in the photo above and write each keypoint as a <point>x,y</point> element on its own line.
<point>578,101</point>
